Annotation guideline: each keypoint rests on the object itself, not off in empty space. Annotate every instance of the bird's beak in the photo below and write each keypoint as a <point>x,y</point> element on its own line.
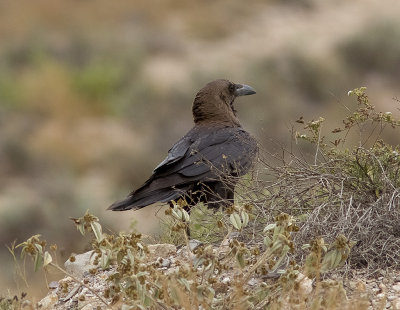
<point>244,90</point>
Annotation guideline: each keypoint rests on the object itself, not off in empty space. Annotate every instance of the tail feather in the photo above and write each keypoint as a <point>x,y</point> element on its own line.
<point>136,202</point>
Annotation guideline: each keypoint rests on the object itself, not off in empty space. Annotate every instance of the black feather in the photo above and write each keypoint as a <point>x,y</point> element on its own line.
<point>198,165</point>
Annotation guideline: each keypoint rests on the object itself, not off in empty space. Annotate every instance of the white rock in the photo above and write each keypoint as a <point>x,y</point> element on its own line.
<point>83,263</point>
<point>88,307</point>
<point>166,263</point>
<point>48,302</point>
<point>161,250</point>
<point>305,284</point>
<point>252,282</point>
<point>53,285</point>
<point>353,284</point>
<point>194,244</point>
<point>396,287</point>
<point>396,304</point>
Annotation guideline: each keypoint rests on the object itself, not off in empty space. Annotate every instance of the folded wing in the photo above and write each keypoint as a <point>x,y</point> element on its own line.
<point>202,155</point>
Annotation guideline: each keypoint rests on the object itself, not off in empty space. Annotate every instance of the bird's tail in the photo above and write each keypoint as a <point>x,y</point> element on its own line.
<point>138,201</point>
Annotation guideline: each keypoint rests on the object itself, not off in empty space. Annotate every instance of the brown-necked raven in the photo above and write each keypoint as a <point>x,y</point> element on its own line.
<point>203,166</point>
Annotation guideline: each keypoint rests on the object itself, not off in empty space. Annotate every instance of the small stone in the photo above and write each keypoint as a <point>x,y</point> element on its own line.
<point>380,295</point>
<point>27,304</point>
<point>353,284</point>
<point>82,264</point>
<point>252,282</point>
<point>88,307</point>
<point>173,270</point>
<point>396,303</point>
<point>161,250</point>
<point>48,302</point>
<point>166,263</point>
<point>391,297</point>
<point>193,244</point>
<point>382,286</point>
<point>226,280</point>
<point>305,284</point>
<point>361,287</point>
<point>53,285</point>
<point>396,287</point>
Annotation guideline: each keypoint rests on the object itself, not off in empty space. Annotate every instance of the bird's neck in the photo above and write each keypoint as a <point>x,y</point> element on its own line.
<point>216,115</point>
<point>217,123</point>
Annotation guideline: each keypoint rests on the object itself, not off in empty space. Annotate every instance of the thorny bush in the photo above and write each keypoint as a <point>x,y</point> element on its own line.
<point>343,188</point>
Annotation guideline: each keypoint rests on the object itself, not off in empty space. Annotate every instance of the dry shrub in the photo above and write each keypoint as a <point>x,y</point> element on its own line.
<point>233,275</point>
<point>349,190</point>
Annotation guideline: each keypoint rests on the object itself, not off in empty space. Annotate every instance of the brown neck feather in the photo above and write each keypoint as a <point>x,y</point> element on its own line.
<point>214,111</point>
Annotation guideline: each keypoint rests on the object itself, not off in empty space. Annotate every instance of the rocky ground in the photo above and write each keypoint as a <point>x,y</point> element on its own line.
<point>84,289</point>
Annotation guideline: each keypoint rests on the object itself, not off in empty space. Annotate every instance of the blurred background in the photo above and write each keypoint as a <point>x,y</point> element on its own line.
<point>94,93</point>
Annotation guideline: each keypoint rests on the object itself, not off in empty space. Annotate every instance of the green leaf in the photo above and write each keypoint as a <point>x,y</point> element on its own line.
<point>269,227</point>
<point>81,228</point>
<point>96,227</point>
<point>285,250</point>
<point>235,220</point>
<point>147,301</point>
<point>276,246</point>
<point>142,274</point>
<point>38,261</point>
<point>198,262</point>
<point>47,259</point>
<point>130,256</point>
<point>105,259</point>
<point>267,241</point>
<point>305,246</point>
<point>186,216</point>
<point>245,218</point>
<point>38,248</point>
<point>338,259</point>
<point>177,214</point>
<point>185,283</point>
<point>211,292</point>
<point>240,259</point>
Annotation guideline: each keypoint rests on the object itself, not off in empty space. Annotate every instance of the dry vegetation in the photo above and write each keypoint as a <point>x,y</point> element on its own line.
<point>344,210</point>
<point>80,84</point>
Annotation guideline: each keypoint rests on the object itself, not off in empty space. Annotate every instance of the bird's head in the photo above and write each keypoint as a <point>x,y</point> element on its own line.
<point>214,103</point>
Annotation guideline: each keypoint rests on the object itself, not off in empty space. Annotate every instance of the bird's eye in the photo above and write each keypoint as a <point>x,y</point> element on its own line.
<point>232,88</point>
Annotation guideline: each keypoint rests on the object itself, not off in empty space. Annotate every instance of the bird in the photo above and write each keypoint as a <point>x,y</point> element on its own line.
<point>205,164</point>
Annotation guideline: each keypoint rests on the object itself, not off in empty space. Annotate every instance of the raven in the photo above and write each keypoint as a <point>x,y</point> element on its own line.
<point>203,166</point>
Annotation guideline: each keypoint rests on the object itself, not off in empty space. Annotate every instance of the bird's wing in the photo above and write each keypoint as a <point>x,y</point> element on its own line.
<point>175,153</point>
<point>210,151</point>
<point>228,151</point>
<point>202,155</point>
<point>180,148</point>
